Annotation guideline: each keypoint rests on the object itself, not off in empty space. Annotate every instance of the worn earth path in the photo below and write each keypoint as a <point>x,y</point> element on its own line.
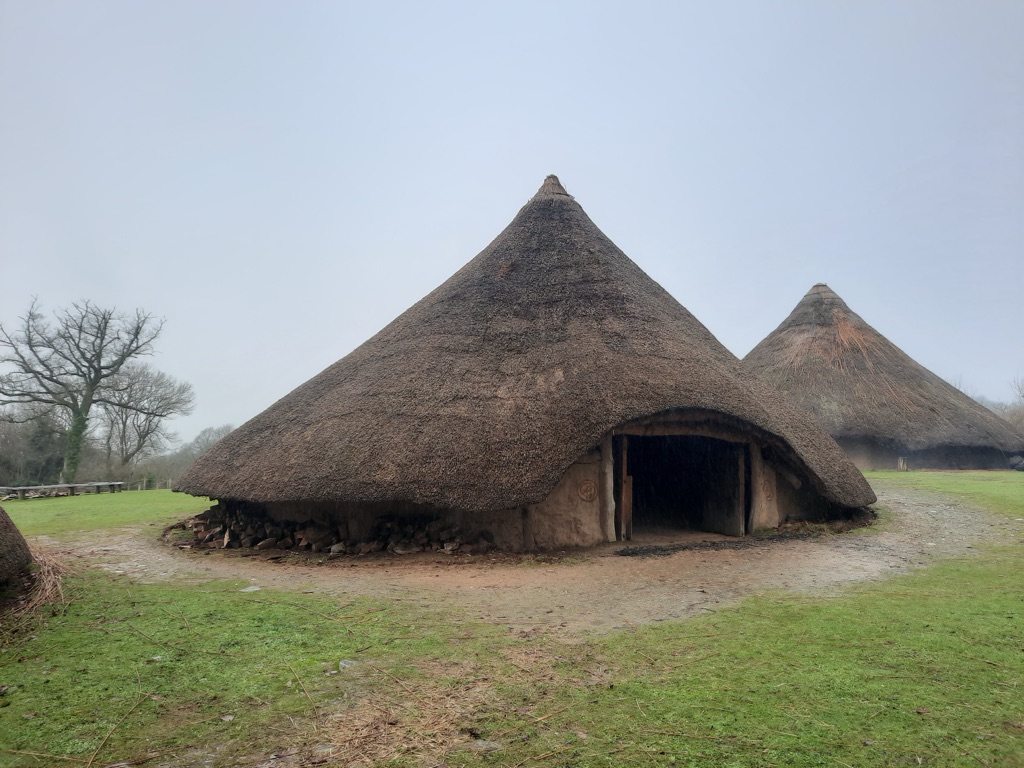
<point>594,590</point>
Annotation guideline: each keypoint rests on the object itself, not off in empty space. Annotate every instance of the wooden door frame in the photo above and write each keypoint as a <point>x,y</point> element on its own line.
<point>622,486</point>
<point>622,489</point>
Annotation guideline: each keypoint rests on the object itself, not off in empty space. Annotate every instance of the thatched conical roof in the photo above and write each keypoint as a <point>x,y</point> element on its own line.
<point>858,385</point>
<point>14,554</point>
<point>482,394</point>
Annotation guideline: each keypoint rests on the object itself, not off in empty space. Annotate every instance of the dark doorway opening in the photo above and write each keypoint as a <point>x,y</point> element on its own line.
<point>681,482</point>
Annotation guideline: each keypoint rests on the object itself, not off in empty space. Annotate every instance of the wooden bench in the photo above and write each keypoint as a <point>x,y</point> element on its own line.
<point>60,489</point>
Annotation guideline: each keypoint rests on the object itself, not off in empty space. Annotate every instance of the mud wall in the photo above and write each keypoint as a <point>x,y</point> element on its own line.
<point>570,516</point>
<point>764,502</point>
<point>868,454</point>
<point>958,457</point>
<point>799,501</point>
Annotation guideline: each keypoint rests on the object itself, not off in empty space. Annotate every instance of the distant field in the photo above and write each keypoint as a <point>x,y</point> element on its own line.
<point>999,491</point>
<point>67,514</point>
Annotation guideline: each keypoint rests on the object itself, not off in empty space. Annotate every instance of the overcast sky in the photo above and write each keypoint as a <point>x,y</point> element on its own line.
<point>280,179</point>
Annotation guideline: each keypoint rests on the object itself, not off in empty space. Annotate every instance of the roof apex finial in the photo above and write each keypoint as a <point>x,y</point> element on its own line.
<point>552,186</point>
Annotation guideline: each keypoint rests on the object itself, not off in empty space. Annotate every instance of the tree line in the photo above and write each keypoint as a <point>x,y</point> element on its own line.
<point>1012,412</point>
<point>78,400</point>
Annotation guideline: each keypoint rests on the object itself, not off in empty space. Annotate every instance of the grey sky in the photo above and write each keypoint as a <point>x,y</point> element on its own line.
<point>281,179</point>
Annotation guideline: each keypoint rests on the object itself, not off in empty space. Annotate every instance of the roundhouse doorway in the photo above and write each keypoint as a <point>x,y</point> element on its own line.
<point>681,482</point>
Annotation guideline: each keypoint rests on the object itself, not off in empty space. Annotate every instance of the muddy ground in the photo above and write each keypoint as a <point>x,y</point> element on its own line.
<point>596,590</point>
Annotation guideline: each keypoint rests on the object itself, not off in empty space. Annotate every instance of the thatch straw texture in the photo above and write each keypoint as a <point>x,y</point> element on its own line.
<point>481,395</point>
<point>860,386</point>
<point>14,552</point>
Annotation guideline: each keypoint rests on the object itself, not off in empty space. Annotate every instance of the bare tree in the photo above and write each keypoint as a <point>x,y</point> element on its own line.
<point>206,439</point>
<point>1014,412</point>
<point>70,364</point>
<point>172,465</point>
<point>135,411</point>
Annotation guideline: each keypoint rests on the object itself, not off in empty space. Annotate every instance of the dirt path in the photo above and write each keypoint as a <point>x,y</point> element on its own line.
<point>594,590</point>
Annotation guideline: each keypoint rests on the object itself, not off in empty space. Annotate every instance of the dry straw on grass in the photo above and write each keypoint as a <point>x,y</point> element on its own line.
<point>47,583</point>
<point>444,710</point>
<point>43,590</point>
<point>427,720</point>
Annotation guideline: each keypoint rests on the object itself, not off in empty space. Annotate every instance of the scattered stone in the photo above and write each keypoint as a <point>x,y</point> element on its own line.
<point>228,525</point>
<point>485,745</point>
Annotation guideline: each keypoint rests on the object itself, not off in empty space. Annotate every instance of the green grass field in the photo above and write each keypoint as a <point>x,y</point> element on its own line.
<point>1001,492</point>
<point>922,669</point>
<point>65,515</point>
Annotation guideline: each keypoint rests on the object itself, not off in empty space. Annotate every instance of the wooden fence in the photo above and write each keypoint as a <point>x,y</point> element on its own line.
<point>60,489</point>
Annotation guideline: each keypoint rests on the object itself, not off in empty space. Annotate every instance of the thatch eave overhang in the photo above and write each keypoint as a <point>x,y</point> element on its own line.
<point>724,426</point>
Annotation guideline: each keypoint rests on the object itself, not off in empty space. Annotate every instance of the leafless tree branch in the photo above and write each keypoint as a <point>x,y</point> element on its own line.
<point>75,363</point>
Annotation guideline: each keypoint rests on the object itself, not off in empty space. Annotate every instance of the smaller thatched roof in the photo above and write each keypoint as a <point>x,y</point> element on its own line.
<point>14,554</point>
<point>859,385</point>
